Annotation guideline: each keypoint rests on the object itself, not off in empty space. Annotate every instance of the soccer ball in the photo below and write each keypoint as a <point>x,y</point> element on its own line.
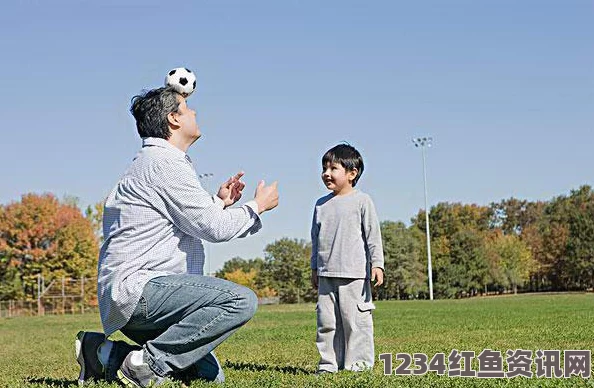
<point>182,80</point>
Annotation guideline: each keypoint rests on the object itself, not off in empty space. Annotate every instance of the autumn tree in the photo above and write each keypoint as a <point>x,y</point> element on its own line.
<point>513,261</point>
<point>41,235</point>
<point>247,273</point>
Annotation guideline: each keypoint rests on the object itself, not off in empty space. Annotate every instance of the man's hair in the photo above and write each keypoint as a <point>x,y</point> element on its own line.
<point>150,109</point>
<point>347,156</point>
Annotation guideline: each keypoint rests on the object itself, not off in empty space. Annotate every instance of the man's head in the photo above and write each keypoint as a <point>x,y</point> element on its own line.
<point>163,113</point>
<point>348,157</point>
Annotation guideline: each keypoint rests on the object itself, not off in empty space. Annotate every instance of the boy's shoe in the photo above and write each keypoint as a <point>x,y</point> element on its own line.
<point>86,346</point>
<point>138,375</point>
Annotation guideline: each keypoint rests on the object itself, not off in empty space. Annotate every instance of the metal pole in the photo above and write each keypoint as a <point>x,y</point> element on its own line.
<point>429,269</point>
<point>423,143</point>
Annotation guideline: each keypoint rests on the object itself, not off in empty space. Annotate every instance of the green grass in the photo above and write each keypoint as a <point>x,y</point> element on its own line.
<point>277,348</point>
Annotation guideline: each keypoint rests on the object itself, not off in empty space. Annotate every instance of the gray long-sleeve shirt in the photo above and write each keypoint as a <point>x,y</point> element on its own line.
<point>346,237</point>
<point>154,221</point>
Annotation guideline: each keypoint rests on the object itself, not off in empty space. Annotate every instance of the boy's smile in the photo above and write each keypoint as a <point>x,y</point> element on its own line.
<point>337,178</point>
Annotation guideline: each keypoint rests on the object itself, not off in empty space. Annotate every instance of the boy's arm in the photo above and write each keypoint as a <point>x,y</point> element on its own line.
<point>373,236</point>
<point>314,251</point>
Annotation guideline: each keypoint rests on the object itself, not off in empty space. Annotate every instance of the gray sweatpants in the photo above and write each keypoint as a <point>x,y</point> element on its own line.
<point>345,326</point>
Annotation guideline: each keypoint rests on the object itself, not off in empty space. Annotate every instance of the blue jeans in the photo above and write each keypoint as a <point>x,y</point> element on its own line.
<point>180,319</point>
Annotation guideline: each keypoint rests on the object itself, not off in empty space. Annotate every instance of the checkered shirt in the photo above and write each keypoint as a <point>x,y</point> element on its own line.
<point>154,221</point>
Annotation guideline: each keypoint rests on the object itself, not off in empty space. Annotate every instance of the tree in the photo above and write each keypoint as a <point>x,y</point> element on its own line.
<point>446,219</point>
<point>406,277</point>
<point>513,259</point>
<point>457,245</point>
<point>95,216</point>
<point>568,236</point>
<point>247,273</point>
<point>513,215</point>
<point>40,235</point>
<point>239,263</point>
<point>287,270</point>
<point>468,271</point>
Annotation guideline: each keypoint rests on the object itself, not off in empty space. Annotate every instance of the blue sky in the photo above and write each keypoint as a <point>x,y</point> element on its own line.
<point>505,88</point>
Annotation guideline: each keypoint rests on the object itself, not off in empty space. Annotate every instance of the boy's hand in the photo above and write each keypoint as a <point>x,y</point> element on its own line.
<point>377,274</point>
<point>314,278</point>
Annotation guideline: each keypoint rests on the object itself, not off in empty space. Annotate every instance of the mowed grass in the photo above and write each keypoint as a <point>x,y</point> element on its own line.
<point>277,348</point>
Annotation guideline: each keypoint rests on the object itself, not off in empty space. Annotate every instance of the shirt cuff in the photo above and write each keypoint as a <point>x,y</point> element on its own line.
<point>218,201</point>
<point>253,205</point>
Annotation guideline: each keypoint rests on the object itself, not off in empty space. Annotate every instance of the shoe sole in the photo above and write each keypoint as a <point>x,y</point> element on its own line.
<point>126,381</point>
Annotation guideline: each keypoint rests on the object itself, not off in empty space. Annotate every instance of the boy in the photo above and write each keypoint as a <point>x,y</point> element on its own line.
<point>346,252</point>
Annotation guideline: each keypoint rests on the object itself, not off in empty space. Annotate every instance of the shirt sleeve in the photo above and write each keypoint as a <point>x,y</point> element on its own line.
<point>373,236</point>
<point>196,212</point>
<point>315,231</point>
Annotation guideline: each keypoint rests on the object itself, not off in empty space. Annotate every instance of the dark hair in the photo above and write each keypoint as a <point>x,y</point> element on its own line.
<point>347,156</point>
<point>150,109</point>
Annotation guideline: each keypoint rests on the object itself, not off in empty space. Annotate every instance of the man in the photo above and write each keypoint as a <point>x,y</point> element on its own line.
<point>150,284</point>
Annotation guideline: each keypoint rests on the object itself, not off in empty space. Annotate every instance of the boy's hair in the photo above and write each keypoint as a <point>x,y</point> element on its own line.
<point>347,156</point>
<point>150,109</point>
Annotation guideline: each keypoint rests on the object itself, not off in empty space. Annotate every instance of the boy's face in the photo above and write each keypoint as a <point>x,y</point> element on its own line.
<point>337,179</point>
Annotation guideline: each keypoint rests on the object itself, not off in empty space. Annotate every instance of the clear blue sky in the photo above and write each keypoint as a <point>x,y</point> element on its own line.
<point>506,89</point>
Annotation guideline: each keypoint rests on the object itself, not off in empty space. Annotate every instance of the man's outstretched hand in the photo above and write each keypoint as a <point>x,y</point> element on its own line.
<point>230,191</point>
<point>266,196</point>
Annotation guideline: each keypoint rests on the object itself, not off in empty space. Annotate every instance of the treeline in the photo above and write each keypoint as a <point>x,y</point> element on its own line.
<point>510,246</point>
<point>41,235</point>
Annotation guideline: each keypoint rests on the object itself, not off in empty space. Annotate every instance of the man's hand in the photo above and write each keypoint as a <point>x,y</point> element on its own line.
<point>377,274</point>
<point>266,197</point>
<point>230,191</point>
<point>314,279</point>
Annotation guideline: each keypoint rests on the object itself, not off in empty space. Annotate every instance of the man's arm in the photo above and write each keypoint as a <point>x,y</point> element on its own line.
<point>201,215</point>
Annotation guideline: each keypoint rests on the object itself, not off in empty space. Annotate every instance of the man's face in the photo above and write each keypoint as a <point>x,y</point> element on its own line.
<point>186,118</point>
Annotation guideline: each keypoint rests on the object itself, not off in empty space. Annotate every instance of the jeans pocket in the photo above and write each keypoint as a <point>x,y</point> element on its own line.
<point>364,310</point>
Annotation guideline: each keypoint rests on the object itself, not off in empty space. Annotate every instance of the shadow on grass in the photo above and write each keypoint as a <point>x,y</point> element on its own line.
<point>52,382</point>
<point>294,370</point>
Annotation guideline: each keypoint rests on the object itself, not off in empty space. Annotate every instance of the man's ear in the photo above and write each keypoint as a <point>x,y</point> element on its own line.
<point>172,120</point>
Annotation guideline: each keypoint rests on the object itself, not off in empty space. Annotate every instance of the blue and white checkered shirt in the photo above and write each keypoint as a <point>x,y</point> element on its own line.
<point>154,221</point>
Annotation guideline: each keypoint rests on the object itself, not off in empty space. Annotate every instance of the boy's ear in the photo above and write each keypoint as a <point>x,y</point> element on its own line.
<point>352,174</point>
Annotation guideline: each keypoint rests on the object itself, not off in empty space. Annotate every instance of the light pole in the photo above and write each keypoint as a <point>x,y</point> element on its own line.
<point>205,177</point>
<point>423,143</point>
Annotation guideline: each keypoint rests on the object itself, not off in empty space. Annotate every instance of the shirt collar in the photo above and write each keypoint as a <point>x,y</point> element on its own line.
<point>158,142</point>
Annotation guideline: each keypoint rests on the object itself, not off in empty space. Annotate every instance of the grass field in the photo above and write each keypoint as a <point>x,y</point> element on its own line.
<point>277,348</point>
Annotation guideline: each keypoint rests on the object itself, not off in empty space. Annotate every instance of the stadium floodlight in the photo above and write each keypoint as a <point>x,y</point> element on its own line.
<point>423,143</point>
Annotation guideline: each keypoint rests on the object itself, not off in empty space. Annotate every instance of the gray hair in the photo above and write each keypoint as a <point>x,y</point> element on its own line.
<point>150,109</point>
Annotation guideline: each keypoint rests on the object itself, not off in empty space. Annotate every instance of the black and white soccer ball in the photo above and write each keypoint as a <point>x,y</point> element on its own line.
<point>182,80</point>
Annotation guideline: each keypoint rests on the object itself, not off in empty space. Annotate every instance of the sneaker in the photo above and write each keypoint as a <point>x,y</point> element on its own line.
<point>119,351</point>
<point>138,375</point>
<point>86,346</point>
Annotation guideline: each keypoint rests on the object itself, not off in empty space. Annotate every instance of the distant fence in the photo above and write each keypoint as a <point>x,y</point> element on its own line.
<point>66,296</point>
<point>60,296</point>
